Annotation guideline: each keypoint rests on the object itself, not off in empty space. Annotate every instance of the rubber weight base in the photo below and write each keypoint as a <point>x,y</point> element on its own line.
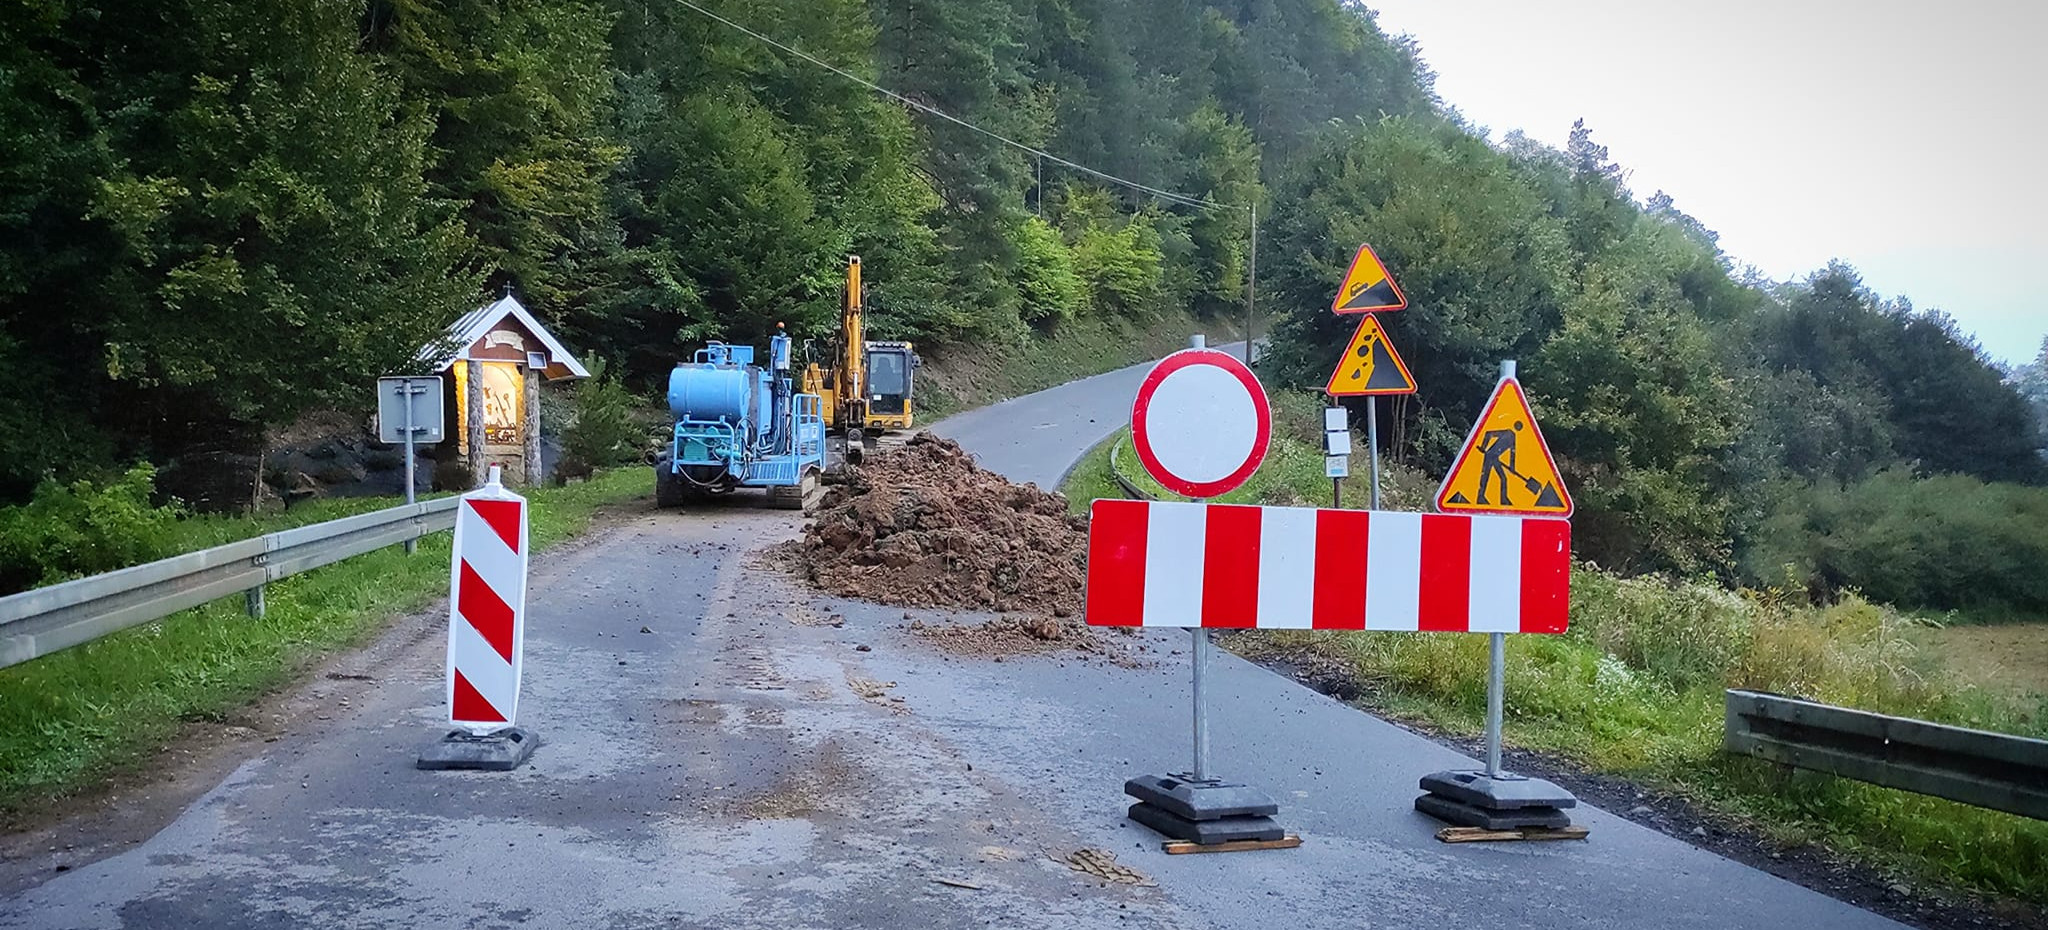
<point>500,751</point>
<point>1497,793</point>
<point>1466,815</point>
<point>1201,800</point>
<point>1206,832</point>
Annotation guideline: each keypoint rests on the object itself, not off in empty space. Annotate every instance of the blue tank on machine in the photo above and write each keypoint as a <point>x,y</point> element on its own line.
<point>716,385</point>
<point>737,425</point>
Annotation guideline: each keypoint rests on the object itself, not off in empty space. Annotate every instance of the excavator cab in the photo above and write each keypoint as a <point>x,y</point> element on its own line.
<point>891,367</point>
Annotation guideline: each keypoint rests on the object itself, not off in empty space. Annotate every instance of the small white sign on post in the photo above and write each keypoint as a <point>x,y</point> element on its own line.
<point>1336,466</point>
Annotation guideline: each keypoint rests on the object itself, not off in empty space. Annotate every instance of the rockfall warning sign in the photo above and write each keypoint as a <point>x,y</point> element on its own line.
<point>1370,365</point>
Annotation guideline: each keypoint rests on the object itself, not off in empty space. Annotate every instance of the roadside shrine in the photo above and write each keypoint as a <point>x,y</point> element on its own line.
<point>498,356</point>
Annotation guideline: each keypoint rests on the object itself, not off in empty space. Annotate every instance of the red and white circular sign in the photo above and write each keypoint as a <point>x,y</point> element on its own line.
<point>1201,423</point>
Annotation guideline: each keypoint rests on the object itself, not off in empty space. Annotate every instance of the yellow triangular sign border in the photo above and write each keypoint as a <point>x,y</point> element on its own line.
<point>1471,453</point>
<point>1367,271</point>
<point>1351,350</point>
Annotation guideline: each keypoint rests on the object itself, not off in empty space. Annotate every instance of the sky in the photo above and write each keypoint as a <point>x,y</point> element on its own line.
<point>1906,139</point>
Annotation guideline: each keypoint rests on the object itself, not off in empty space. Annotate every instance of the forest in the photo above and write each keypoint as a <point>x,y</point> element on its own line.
<point>217,217</point>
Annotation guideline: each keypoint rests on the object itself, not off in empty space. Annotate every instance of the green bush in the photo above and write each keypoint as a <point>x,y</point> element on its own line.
<point>1948,542</point>
<point>1052,291</point>
<point>83,528</point>
<point>1117,256</point>
<point>1120,265</point>
<point>605,431</point>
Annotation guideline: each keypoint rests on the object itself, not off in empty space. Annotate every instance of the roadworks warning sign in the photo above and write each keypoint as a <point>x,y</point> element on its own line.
<point>1370,365</point>
<point>1506,467</point>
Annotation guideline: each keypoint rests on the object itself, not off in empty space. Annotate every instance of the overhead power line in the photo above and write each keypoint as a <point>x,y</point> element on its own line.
<point>1187,199</point>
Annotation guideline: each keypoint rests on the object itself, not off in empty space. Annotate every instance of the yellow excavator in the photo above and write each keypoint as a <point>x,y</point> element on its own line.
<point>867,389</point>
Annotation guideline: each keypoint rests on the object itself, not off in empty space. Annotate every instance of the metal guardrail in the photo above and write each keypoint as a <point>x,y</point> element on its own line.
<point>1993,770</point>
<point>1116,472</point>
<point>45,620</point>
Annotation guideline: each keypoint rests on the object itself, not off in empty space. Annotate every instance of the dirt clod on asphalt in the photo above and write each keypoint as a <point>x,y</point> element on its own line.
<point>1015,636</point>
<point>923,526</point>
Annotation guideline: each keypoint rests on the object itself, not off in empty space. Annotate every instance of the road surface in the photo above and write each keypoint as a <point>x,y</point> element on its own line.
<point>722,749</point>
<point>1037,438</point>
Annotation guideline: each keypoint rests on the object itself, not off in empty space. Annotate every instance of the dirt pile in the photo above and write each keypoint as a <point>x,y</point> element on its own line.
<point>923,526</point>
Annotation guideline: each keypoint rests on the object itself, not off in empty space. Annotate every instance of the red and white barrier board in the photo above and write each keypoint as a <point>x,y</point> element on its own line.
<point>487,607</point>
<point>1219,565</point>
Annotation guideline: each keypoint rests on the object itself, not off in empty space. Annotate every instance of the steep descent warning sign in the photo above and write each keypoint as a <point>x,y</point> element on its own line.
<point>1506,467</point>
<point>1367,287</point>
<point>1370,365</point>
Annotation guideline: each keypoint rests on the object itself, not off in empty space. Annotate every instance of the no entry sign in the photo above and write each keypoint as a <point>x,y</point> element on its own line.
<point>1201,423</point>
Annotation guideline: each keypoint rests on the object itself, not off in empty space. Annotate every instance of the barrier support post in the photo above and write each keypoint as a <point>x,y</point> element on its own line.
<point>1201,652</point>
<point>1496,681</point>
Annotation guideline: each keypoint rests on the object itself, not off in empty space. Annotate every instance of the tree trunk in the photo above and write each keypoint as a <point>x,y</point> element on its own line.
<point>529,428</point>
<point>474,403</point>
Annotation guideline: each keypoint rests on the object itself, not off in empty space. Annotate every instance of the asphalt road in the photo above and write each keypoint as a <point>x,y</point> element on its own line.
<point>1037,438</point>
<point>720,751</point>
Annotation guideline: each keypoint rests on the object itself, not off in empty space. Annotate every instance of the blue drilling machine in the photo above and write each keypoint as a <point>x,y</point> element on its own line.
<point>740,426</point>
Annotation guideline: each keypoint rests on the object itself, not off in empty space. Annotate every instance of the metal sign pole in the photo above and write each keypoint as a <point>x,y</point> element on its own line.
<point>411,390</point>
<point>1372,444</point>
<point>1496,675</point>
<point>1496,667</point>
<point>1251,291</point>
<point>1201,636</point>
<point>1201,651</point>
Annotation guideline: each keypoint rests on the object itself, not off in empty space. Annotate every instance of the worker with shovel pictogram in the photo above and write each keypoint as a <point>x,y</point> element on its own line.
<point>1498,447</point>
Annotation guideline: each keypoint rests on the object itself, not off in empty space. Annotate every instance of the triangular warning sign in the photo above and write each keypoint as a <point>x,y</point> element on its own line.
<point>1506,466</point>
<point>1367,287</point>
<point>1370,365</point>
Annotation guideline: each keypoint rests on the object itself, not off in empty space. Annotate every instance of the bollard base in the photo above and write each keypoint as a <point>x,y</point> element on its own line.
<point>1495,802</point>
<point>500,751</point>
<point>1497,792</point>
<point>1212,799</point>
<point>1206,812</point>
<point>1467,815</point>
<point>1206,832</point>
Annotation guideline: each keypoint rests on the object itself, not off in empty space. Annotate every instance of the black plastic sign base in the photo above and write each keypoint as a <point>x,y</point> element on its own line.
<point>1206,832</point>
<point>1466,815</point>
<point>1497,792</point>
<point>499,751</point>
<point>1201,800</point>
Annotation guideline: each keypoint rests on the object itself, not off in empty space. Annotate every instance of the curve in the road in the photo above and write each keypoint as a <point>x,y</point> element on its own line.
<point>1039,437</point>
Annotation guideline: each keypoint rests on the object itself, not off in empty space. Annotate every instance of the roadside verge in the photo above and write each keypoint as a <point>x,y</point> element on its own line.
<point>1626,710</point>
<point>78,719</point>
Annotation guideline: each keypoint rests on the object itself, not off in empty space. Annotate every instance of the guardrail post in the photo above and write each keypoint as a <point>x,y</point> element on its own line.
<point>253,601</point>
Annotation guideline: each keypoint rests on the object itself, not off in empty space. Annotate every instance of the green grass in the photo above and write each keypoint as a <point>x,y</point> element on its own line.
<point>963,376</point>
<point>1634,689</point>
<point>201,531</point>
<point>71,720</point>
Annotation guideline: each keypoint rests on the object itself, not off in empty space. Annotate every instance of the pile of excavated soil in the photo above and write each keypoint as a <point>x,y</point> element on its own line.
<point>923,526</point>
